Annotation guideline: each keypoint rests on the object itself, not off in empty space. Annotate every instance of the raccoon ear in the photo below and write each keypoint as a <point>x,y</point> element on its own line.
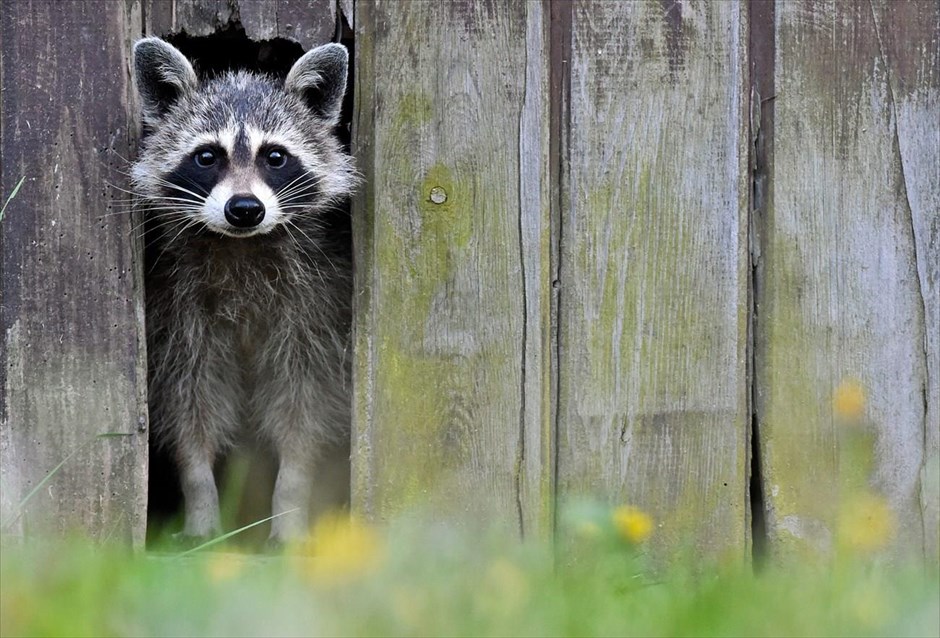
<point>163,76</point>
<point>319,78</point>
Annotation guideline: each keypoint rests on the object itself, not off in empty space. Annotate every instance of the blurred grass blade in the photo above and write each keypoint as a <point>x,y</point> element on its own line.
<point>22,505</point>
<point>224,537</point>
<point>16,189</point>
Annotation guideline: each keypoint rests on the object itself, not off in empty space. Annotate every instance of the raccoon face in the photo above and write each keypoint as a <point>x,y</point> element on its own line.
<point>240,154</point>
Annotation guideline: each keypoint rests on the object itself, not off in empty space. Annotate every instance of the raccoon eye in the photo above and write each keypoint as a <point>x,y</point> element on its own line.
<point>277,158</point>
<point>205,158</point>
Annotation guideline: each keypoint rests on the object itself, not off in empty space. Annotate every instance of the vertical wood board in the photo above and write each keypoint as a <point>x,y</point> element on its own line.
<point>653,301</point>
<point>72,326</point>
<point>848,276</point>
<point>453,284</point>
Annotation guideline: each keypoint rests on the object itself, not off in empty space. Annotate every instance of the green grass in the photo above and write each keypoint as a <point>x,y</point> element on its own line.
<point>417,578</point>
<point>16,189</point>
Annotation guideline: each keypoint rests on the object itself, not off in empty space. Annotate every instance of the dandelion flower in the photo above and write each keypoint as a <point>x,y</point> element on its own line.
<point>505,588</point>
<point>340,548</point>
<point>632,524</point>
<point>848,400</point>
<point>866,523</point>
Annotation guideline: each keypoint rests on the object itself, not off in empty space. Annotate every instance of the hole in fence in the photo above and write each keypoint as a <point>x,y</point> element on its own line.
<point>246,481</point>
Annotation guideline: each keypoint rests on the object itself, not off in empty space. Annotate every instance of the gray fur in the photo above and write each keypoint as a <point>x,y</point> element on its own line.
<point>163,76</point>
<point>247,336</point>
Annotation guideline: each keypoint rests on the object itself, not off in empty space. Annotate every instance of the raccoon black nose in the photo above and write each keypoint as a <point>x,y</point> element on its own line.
<point>244,211</point>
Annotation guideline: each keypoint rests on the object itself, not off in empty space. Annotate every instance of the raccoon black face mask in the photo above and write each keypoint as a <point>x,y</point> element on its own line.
<point>248,297</point>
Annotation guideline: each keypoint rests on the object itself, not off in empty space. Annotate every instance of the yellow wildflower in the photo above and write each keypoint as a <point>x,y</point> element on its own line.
<point>224,566</point>
<point>339,548</point>
<point>848,400</point>
<point>869,607</point>
<point>505,588</point>
<point>632,524</point>
<point>410,607</point>
<point>866,523</point>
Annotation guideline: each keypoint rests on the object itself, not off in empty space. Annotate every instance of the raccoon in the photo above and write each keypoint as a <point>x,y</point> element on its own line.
<point>248,293</point>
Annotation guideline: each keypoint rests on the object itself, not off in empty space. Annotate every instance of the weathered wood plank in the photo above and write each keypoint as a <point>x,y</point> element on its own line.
<point>653,405</point>
<point>453,282</point>
<point>196,17</point>
<point>307,22</point>
<point>73,356</point>
<point>848,278</point>
<point>348,9</point>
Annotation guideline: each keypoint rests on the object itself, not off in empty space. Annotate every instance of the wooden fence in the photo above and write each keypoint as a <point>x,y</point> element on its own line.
<point>634,250</point>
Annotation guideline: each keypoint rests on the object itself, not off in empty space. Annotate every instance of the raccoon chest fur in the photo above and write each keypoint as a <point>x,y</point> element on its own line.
<point>268,304</point>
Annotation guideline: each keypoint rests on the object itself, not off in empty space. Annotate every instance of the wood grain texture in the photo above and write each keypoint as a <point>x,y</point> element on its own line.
<point>307,22</point>
<point>452,401</point>
<point>348,9</point>
<point>195,17</point>
<point>72,321</point>
<point>653,302</point>
<point>848,278</point>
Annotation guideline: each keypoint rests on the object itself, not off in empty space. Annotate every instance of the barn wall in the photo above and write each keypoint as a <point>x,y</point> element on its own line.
<point>604,249</point>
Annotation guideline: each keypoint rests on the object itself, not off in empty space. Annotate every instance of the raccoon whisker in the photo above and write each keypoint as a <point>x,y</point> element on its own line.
<point>310,219</point>
<point>300,209</point>
<point>199,197</point>
<point>290,235</point>
<point>306,187</point>
<point>126,203</point>
<point>154,225</point>
<point>142,201</point>
<point>126,211</point>
<point>148,209</point>
<point>162,215</point>
<point>159,221</point>
<point>187,204</point>
<point>294,202</point>
<point>169,184</point>
<point>123,190</point>
<point>301,204</point>
<point>188,207</point>
<point>158,230</point>
<point>287,226</point>
<point>117,170</point>
<point>189,223</point>
<point>285,189</point>
<point>152,219</point>
<point>113,151</point>
<point>317,246</point>
<point>198,186</point>
<point>303,198</point>
<point>308,184</point>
